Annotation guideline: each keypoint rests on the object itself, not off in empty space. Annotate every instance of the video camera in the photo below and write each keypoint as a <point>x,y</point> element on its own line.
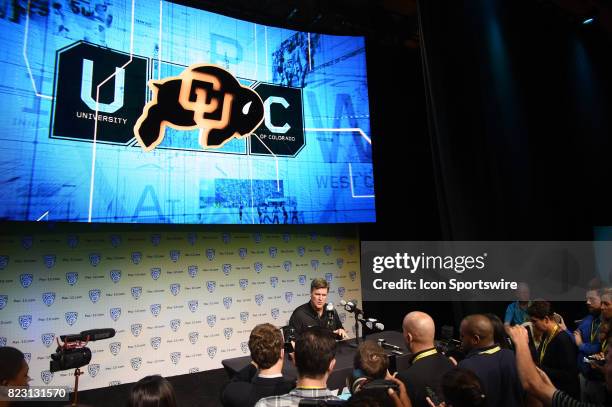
<point>73,353</point>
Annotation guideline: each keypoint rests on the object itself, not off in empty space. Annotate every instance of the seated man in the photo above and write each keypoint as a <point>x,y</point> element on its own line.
<point>313,313</point>
<point>315,358</point>
<point>249,385</point>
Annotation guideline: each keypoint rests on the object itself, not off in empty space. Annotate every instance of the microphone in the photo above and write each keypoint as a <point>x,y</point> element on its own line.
<point>351,306</point>
<point>372,324</point>
<point>90,335</point>
<point>388,345</point>
<point>329,309</point>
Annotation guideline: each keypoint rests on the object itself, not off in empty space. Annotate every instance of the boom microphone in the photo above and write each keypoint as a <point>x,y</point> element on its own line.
<point>90,335</point>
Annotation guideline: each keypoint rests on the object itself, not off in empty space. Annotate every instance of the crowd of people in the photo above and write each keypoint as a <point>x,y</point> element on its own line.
<point>530,359</point>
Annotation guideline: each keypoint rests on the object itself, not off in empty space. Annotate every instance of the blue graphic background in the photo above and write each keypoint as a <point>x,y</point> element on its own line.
<point>50,179</point>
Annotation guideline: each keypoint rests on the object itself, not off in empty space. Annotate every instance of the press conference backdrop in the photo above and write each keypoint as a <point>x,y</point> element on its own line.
<point>309,161</point>
<point>180,300</point>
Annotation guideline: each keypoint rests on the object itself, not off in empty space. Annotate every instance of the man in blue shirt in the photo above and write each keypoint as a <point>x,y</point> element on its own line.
<point>516,313</point>
<point>587,340</point>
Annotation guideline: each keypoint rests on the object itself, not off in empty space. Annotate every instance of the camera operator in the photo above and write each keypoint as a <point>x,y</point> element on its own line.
<point>250,384</point>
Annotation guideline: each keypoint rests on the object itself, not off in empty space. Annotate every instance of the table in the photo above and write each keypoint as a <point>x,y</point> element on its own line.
<point>345,354</point>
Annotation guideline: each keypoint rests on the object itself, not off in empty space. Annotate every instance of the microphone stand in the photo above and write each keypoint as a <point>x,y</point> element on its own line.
<point>356,343</point>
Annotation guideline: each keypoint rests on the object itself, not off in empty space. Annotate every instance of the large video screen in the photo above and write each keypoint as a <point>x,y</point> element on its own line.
<point>153,112</point>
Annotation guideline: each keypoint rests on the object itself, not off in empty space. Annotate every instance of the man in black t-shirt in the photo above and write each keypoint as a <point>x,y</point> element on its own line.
<point>313,313</point>
<point>427,365</point>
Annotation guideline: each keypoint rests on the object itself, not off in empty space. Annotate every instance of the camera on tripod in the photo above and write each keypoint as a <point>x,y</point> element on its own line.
<point>73,352</point>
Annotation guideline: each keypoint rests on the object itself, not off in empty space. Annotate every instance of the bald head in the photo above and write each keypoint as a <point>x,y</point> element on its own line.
<point>476,332</point>
<point>419,329</point>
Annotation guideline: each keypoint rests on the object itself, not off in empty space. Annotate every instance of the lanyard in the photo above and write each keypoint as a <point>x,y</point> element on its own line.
<point>547,341</point>
<point>604,346</point>
<point>425,354</point>
<point>594,331</point>
<point>490,351</point>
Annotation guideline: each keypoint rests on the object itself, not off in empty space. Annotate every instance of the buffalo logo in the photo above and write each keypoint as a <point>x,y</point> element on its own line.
<point>342,317</point>
<point>259,299</point>
<point>175,288</point>
<point>2,341</point>
<point>243,283</point>
<point>175,357</point>
<point>72,241</point>
<point>136,329</point>
<point>93,370</point>
<point>72,277</point>
<point>287,265</point>
<point>244,316</point>
<point>174,255</point>
<point>3,262</point>
<point>302,279</point>
<point>286,237</point>
<point>226,238</point>
<point>25,321</point>
<point>136,257</point>
<point>341,291</point>
<point>26,280</point>
<point>314,264</point>
<point>46,376</point>
<point>115,313</point>
<point>155,342</point>
<point>301,250</point>
<point>136,362</point>
<point>115,348</point>
<point>327,249</point>
<point>94,259</point>
<point>228,332</point>
<point>273,281</point>
<point>275,313</point>
<point>242,252</point>
<point>273,251</point>
<point>194,370</point>
<point>27,356</point>
<point>115,276</point>
<point>191,238</point>
<point>155,309</point>
<point>257,237</point>
<point>155,239</point>
<point>244,347</point>
<point>47,339</point>
<point>339,262</point>
<point>49,260</point>
<point>114,383</point>
<point>175,324</point>
<point>258,266</point>
<point>94,295</point>
<point>351,249</point>
<point>329,277</point>
<point>210,254</point>
<point>227,302</point>
<point>155,273</point>
<point>352,275</point>
<point>27,242</point>
<point>4,301</point>
<point>192,271</point>
<point>289,296</point>
<point>211,320</point>
<point>205,97</point>
<point>226,269</point>
<point>193,305</point>
<point>136,292</point>
<point>211,285</point>
<point>212,351</point>
<point>193,337</point>
<point>115,240</point>
<point>313,236</point>
<point>71,317</point>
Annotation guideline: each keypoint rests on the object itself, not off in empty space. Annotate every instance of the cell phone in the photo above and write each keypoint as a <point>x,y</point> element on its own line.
<point>591,358</point>
<point>432,395</point>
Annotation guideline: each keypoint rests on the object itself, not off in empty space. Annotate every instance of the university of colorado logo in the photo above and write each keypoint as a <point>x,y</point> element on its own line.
<point>81,68</point>
<point>203,97</point>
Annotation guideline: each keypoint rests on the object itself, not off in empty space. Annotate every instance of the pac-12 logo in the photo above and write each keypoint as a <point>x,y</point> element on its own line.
<point>203,97</point>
